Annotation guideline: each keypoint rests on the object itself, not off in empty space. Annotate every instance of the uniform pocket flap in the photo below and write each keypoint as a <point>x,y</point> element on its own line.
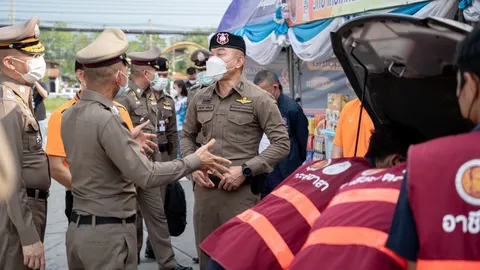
<point>167,113</point>
<point>240,117</point>
<point>31,126</point>
<point>141,111</point>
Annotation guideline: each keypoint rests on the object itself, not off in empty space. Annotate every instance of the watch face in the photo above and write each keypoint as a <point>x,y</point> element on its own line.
<point>246,171</point>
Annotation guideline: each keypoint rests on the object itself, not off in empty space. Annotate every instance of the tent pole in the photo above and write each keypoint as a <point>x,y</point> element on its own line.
<point>291,70</point>
<point>298,61</point>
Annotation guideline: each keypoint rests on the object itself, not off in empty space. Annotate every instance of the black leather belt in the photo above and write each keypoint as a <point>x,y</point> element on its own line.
<point>37,194</point>
<point>216,180</point>
<point>88,220</point>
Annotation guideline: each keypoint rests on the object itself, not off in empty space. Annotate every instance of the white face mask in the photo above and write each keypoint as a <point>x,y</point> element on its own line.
<point>122,89</point>
<point>216,68</point>
<point>192,81</point>
<point>36,69</point>
<point>158,84</point>
<point>161,84</point>
<point>204,79</point>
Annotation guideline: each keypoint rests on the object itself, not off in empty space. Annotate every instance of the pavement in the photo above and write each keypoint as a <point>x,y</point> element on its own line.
<point>55,252</point>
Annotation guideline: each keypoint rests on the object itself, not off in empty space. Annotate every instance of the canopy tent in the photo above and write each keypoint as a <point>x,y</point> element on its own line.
<point>264,26</point>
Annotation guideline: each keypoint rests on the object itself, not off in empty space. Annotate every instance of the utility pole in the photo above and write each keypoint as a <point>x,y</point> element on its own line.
<point>12,12</point>
<point>150,35</point>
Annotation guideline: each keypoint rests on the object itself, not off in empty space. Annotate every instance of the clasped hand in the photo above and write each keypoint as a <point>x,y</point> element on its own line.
<point>230,178</point>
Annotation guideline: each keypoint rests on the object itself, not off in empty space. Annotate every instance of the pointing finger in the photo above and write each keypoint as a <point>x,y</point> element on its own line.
<point>221,160</point>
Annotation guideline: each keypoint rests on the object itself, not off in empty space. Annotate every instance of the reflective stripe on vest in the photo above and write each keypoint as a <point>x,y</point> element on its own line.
<point>267,231</point>
<point>447,265</point>
<point>302,203</point>
<point>353,236</point>
<point>388,195</point>
<point>270,236</point>
<point>358,235</point>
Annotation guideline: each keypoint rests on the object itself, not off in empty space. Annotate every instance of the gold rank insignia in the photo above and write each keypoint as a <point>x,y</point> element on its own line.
<point>166,103</point>
<point>244,100</point>
<point>151,98</point>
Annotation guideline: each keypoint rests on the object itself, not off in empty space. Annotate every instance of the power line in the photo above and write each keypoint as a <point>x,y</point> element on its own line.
<point>126,31</point>
<point>109,13</point>
<point>191,10</point>
<point>43,22</point>
<point>116,2</point>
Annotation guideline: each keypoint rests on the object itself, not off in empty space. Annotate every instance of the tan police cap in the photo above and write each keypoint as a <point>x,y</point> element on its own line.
<point>109,48</point>
<point>24,37</point>
<point>146,58</point>
<point>199,57</point>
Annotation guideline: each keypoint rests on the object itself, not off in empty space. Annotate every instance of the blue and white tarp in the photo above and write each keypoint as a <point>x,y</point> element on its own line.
<point>262,23</point>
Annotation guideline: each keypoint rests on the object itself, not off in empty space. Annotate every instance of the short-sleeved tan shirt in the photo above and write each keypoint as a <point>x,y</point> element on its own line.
<point>237,123</point>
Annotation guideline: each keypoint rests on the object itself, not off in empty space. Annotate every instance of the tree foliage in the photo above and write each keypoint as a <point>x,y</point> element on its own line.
<point>61,47</point>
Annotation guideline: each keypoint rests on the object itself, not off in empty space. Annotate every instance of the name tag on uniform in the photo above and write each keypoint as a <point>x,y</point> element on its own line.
<point>161,125</point>
<point>167,108</point>
<point>154,103</point>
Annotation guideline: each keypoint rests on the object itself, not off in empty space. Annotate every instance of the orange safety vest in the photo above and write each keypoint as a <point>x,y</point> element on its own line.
<point>444,194</point>
<point>268,235</point>
<point>353,230</point>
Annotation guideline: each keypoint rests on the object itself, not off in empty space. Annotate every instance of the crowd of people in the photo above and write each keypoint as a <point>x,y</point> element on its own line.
<point>123,139</point>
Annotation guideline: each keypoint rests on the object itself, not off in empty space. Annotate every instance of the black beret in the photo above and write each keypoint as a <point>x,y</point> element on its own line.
<point>162,64</point>
<point>227,40</point>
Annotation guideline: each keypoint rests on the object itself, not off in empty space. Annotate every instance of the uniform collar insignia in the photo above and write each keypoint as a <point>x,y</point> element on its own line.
<point>115,110</point>
<point>150,98</point>
<point>244,100</point>
<point>240,86</point>
<point>166,103</point>
<point>10,94</point>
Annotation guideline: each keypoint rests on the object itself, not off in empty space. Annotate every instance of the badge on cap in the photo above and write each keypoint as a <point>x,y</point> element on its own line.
<point>36,31</point>
<point>222,38</point>
<point>201,57</point>
<point>166,64</point>
<point>244,100</point>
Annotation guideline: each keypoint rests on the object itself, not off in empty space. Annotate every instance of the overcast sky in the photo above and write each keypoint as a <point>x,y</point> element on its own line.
<point>127,14</point>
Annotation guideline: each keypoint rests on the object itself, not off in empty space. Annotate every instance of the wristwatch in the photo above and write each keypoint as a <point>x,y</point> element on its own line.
<point>246,171</point>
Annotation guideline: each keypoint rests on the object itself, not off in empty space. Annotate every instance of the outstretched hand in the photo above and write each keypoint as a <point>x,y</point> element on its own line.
<point>144,139</point>
<point>210,162</point>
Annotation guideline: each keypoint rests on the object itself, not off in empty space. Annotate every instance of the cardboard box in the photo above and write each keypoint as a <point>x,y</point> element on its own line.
<point>336,101</point>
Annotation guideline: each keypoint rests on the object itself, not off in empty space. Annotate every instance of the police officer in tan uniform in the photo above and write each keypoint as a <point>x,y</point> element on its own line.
<point>142,104</point>
<point>236,113</point>
<point>199,57</point>
<point>106,162</point>
<point>23,222</point>
<point>167,118</point>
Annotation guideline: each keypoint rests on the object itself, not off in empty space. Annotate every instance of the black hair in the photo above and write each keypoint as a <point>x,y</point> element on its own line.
<point>182,86</point>
<point>468,54</point>
<point>191,71</point>
<point>267,76</point>
<point>78,66</point>
<point>390,139</point>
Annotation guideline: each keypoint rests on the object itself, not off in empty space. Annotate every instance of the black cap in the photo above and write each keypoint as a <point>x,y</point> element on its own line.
<point>227,40</point>
<point>78,66</point>
<point>162,64</point>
